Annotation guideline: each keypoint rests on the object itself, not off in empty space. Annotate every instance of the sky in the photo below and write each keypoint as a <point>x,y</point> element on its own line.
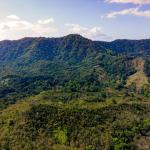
<point>103,20</point>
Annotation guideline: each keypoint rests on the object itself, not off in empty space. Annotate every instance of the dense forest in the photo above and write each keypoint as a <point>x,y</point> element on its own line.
<point>72,93</point>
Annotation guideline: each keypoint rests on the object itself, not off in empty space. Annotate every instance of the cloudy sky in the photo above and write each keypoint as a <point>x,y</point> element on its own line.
<point>94,19</point>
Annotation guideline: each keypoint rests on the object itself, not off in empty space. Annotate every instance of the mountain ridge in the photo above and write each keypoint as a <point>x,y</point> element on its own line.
<point>36,64</point>
<point>11,50</point>
<point>78,35</point>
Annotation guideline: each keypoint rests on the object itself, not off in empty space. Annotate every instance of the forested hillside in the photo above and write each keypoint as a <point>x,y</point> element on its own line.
<point>74,93</point>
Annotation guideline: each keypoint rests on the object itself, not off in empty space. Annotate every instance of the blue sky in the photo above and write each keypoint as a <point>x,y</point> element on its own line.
<point>94,19</point>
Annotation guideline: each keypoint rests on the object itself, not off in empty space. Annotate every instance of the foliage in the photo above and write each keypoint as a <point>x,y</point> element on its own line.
<point>71,93</point>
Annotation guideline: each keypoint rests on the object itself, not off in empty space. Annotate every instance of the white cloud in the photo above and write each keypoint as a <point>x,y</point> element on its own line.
<point>15,28</point>
<point>94,33</point>
<point>47,21</point>
<point>131,11</point>
<point>13,17</point>
<point>130,1</point>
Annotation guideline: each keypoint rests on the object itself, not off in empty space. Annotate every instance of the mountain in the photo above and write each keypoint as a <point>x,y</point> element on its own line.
<point>30,65</point>
<point>65,48</point>
<point>128,47</point>
<point>45,48</point>
<point>72,93</point>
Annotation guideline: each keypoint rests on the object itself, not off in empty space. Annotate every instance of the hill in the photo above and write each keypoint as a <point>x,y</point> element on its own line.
<point>75,121</point>
<point>31,65</point>
<point>72,93</point>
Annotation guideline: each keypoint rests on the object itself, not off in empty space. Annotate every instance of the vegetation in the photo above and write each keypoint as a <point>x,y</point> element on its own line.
<point>72,93</point>
<point>48,119</point>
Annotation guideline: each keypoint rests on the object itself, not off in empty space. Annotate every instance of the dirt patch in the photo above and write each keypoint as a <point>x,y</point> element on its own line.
<point>139,78</point>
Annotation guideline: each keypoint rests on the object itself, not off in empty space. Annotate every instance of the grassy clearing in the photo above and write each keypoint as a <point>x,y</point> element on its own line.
<point>139,78</point>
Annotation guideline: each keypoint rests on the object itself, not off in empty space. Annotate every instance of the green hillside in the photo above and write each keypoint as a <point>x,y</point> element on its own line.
<point>31,65</point>
<point>72,93</point>
<point>59,120</point>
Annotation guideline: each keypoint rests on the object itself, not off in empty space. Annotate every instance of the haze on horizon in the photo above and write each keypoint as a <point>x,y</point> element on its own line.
<point>94,19</point>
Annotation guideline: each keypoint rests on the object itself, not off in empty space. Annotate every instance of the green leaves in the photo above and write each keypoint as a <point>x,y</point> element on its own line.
<point>61,135</point>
